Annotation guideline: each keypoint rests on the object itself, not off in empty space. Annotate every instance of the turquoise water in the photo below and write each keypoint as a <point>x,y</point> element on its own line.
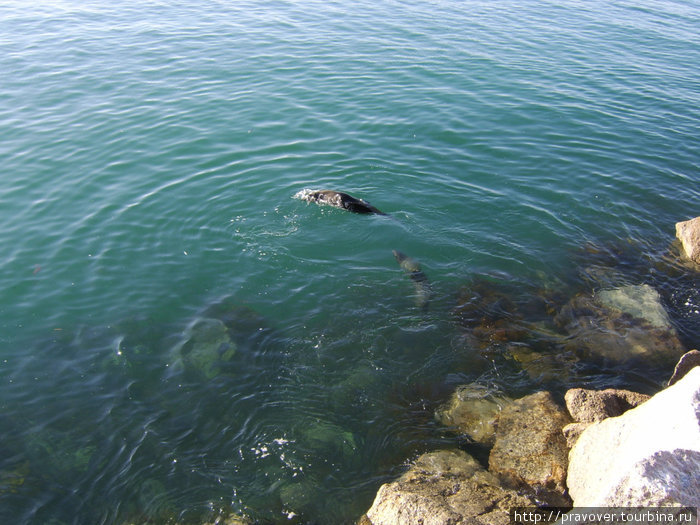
<point>150,152</point>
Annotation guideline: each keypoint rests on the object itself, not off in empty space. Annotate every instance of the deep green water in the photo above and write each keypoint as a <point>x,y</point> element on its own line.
<point>149,152</point>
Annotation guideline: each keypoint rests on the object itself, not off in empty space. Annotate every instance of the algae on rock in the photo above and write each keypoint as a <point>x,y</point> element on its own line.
<point>473,410</point>
<point>206,348</point>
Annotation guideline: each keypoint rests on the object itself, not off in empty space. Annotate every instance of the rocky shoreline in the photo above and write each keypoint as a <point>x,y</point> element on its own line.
<point>607,448</point>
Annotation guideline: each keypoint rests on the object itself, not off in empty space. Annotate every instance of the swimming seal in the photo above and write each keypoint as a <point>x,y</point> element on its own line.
<point>339,200</point>
<point>420,281</point>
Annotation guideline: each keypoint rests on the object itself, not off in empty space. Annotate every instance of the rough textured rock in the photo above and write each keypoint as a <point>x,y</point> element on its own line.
<point>589,406</point>
<point>530,451</point>
<point>597,330</point>
<point>688,232</point>
<point>649,456</point>
<point>687,362</point>
<point>446,487</point>
<point>473,411</point>
<point>573,431</point>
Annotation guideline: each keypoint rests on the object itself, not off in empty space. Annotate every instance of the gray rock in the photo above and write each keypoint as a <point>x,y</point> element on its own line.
<point>446,487</point>
<point>640,301</point>
<point>530,451</point>
<point>649,456</point>
<point>688,361</point>
<point>473,410</point>
<point>688,232</point>
<point>597,331</point>
<point>588,406</point>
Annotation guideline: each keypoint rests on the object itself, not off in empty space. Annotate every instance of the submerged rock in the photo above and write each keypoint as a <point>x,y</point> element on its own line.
<point>612,327</point>
<point>60,454</point>
<point>442,488</point>
<point>639,301</point>
<point>490,313</point>
<point>530,451</point>
<point>155,502</point>
<point>541,366</point>
<point>473,410</point>
<point>206,347</point>
<point>353,391</point>
<point>329,439</point>
<point>298,495</point>
<point>12,479</point>
<point>649,456</point>
<point>505,319</point>
<point>688,232</point>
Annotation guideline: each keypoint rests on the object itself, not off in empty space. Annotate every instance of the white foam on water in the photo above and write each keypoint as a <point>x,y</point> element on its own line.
<point>304,194</point>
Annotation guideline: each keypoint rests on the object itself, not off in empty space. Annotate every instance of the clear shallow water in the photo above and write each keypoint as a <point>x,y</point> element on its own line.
<point>149,155</point>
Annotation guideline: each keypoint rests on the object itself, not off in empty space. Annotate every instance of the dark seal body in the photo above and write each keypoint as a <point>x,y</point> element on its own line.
<point>340,200</point>
<point>420,281</point>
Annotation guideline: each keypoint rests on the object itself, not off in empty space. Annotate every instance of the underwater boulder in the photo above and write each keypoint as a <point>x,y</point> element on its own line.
<point>639,301</point>
<point>541,366</point>
<point>206,347</point>
<point>59,453</point>
<point>620,325</point>
<point>297,496</point>
<point>12,479</point>
<point>495,314</point>
<point>355,389</point>
<point>329,439</point>
<point>473,411</point>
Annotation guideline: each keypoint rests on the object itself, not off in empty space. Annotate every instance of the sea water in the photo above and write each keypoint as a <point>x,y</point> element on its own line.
<point>149,155</point>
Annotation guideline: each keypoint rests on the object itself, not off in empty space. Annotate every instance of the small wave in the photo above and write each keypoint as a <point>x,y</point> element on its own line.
<point>304,194</point>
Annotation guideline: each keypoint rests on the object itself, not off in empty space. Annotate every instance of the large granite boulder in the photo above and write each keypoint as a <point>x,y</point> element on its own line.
<point>649,456</point>
<point>530,451</point>
<point>447,487</point>
<point>473,411</point>
<point>627,323</point>
<point>688,232</point>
